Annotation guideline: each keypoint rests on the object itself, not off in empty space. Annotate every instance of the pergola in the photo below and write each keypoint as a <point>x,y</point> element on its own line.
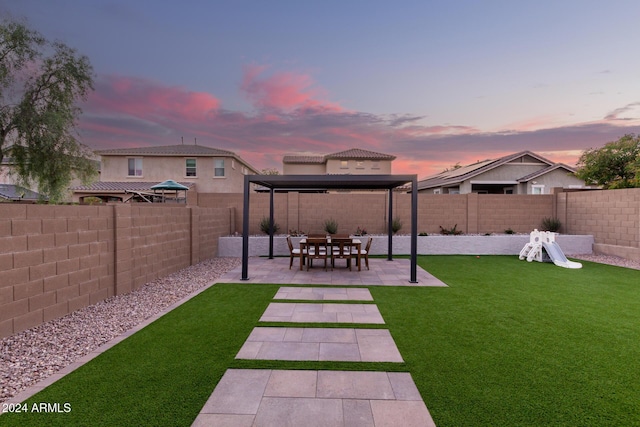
<point>285,183</point>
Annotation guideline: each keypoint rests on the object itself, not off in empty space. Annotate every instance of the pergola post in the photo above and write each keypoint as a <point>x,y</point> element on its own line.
<point>390,227</point>
<point>245,231</point>
<point>414,230</point>
<point>271,223</point>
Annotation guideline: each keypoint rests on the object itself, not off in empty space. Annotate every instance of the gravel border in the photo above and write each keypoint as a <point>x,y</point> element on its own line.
<point>31,356</point>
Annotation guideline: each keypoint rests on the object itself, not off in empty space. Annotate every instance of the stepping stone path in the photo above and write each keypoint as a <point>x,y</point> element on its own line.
<point>266,397</point>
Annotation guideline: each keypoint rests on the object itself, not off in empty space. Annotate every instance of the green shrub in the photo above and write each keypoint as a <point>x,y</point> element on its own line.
<point>265,223</point>
<point>450,231</point>
<point>331,226</point>
<point>509,231</point>
<point>423,233</point>
<point>551,224</point>
<point>396,225</point>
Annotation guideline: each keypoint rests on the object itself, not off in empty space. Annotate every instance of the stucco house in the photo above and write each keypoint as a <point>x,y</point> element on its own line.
<point>354,161</point>
<point>203,169</point>
<point>520,173</point>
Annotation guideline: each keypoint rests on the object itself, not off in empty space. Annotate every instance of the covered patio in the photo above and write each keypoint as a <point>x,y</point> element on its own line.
<point>285,183</point>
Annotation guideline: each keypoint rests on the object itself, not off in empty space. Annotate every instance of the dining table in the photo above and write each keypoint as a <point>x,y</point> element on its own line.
<point>357,243</point>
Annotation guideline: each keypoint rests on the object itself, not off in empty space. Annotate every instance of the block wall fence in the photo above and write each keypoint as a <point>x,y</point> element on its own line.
<point>57,259</point>
<point>611,216</point>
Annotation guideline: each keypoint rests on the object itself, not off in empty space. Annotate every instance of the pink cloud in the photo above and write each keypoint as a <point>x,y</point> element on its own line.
<point>150,100</point>
<point>284,90</point>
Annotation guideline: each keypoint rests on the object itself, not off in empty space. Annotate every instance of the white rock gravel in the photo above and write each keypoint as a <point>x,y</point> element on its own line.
<point>32,355</point>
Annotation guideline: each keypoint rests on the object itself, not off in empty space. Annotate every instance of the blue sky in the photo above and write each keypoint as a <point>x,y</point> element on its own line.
<point>433,82</point>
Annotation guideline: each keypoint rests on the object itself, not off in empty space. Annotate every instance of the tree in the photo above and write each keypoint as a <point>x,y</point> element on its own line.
<point>616,165</point>
<point>40,83</point>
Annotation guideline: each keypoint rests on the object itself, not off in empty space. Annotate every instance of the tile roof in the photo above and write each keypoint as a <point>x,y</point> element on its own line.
<point>122,186</point>
<point>168,150</point>
<point>352,153</point>
<point>359,154</point>
<point>303,159</point>
<point>16,192</point>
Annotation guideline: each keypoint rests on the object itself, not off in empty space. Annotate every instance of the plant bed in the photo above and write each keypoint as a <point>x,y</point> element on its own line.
<point>495,244</point>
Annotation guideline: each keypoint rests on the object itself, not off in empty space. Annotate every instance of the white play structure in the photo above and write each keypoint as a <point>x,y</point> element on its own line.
<point>542,247</point>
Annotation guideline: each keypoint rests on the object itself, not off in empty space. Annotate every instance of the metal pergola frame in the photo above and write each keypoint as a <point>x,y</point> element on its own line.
<point>286,183</point>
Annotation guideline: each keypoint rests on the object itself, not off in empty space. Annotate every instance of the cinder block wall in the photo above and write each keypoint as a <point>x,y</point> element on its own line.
<point>472,213</point>
<point>57,259</point>
<point>612,216</point>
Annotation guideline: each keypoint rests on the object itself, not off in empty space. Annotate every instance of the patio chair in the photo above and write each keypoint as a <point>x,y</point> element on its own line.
<point>363,252</point>
<point>341,248</point>
<point>317,249</point>
<point>317,236</point>
<point>293,253</point>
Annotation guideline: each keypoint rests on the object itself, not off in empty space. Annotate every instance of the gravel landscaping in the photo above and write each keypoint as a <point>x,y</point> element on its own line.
<point>32,355</point>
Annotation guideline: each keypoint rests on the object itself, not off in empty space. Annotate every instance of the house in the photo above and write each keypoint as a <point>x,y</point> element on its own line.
<point>520,173</point>
<point>127,171</point>
<point>16,193</point>
<point>354,161</point>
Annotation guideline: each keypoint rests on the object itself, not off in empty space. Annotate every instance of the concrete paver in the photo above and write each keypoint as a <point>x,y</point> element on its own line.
<point>324,294</point>
<point>322,313</point>
<point>317,398</point>
<point>335,344</point>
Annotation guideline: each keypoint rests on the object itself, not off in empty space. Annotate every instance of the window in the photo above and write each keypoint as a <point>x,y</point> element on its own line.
<point>344,164</point>
<point>436,191</point>
<point>191,167</point>
<point>537,189</point>
<point>233,164</point>
<point>359,164</point>
<point>218,165</point>
<point>375,165</point>
<point>135,167</point>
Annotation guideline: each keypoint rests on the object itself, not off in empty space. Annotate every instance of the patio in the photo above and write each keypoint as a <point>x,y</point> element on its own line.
<point>382,273</point>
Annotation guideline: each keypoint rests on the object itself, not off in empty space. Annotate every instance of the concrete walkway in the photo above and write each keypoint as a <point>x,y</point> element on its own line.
<point>266,397</point>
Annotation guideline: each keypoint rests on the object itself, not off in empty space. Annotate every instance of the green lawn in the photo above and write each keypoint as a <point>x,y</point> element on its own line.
<point>507,343</point>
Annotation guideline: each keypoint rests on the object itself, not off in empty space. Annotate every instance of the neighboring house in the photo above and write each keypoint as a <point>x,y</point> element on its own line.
<point>202,169</point>
<point>16,193</point>
<point>520,173</point>
<point>354,161</point>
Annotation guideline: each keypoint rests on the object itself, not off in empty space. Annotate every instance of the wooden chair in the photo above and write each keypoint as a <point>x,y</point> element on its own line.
<point>317,248</point>
<point>317,236</point>
<point>341,248</point>
<point>293,253</point>
<point>364,252</point>
<point>340,236</point>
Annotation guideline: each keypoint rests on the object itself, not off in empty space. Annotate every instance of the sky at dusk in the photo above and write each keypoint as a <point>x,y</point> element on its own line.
<point>433,82</point>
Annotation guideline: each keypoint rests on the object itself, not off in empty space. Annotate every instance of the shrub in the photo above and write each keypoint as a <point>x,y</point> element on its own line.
<point>551,224</point>
<point>296,233</point>
<point>450,231</point>
<point>331,226</point>
<point>509,231</point>
<point>423,233</point>
<point>396,225</point>
<point>361,231</point>
<point>265,223</point>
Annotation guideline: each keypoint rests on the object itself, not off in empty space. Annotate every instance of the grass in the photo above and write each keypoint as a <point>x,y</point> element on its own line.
<point>507,343</point>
